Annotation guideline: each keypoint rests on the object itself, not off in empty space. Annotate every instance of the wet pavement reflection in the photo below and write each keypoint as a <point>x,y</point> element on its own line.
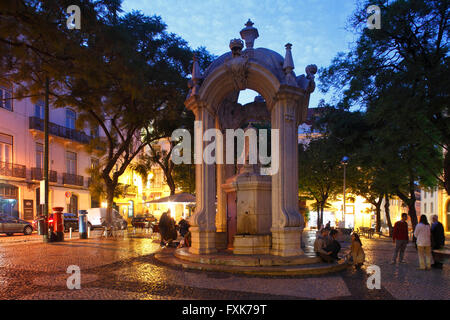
<point>125,268</point>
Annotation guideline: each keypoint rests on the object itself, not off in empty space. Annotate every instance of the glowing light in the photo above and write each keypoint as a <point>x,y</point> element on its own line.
<point>104,204</point>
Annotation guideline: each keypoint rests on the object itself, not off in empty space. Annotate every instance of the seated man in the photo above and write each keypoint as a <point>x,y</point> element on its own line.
<point>321,242</point>
<point>331,249</point>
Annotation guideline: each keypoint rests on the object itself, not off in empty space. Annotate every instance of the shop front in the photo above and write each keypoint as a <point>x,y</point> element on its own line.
<point>9,200</point>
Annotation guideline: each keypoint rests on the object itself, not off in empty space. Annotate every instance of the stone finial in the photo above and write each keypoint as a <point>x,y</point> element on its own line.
<point>196,73</point>
<point>288,66</point>
<point>249,34</point>
<point>236,46</point>
<point>311,70</point>
<point>196,76</point>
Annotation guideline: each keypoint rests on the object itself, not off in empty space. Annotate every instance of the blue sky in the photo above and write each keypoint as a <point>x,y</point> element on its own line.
<point>316,28</point>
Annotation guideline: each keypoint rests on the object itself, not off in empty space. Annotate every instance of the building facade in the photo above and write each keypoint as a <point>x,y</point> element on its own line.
<point>22,162</point>
<point>436,201</point>
<point>22,158</point>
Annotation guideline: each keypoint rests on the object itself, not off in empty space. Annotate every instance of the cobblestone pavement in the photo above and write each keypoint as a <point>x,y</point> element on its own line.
<point>126,269</point>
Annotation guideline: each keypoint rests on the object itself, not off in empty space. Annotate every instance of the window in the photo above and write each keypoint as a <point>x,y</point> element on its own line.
<point>71,162</point>
<point>94,163</point>
<point>424,194</point>
<point>424,208</point>
<point>431,208</point>
<point>6,145</point>
<point>39,109</point>
<point>71,117</point>
<point>39,155</point>
<point>6,98</point>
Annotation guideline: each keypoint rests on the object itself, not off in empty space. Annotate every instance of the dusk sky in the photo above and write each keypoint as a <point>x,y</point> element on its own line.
<point>316,28</point>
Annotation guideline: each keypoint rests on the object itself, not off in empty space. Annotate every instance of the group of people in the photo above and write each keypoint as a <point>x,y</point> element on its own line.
<point>428,238</point>
<point>169,230</point>
<point>327,247</point>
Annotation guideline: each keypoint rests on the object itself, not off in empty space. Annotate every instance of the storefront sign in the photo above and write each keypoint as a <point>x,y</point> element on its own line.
<point>28,210</point>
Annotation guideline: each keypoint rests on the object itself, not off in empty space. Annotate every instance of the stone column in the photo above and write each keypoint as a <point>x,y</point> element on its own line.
<point>224,171</point>
<point>287,222</point>
<point>203,228</point>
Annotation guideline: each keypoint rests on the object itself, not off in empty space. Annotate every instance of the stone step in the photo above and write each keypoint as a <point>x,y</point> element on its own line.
<point>228,259</point>
<point>168,258</point>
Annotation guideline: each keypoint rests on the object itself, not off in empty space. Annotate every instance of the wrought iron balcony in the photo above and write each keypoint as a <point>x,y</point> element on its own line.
<point>73,179</point>
<point>38,174</point>
<point>60,131</point>
<point>12,170</point>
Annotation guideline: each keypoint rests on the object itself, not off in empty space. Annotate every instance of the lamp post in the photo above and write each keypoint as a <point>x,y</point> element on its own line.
<point>344,162</point>
<point>45,237</point>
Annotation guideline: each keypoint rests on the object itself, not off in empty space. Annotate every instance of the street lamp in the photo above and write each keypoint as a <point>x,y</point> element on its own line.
<point>344,162</point>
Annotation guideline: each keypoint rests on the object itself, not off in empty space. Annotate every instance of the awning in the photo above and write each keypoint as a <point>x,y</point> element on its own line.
<point>183,197</point>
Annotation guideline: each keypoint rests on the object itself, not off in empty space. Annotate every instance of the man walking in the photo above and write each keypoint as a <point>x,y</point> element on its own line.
<point>437,240</point>
<point>400,238</point>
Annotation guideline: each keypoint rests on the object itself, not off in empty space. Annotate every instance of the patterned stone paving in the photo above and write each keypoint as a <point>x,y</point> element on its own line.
<point>126,269</point>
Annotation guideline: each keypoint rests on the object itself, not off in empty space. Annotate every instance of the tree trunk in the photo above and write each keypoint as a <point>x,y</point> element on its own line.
<point>378,213</point>
<point>321,213</point>
<point>412,213</point>
<point>318,215</point>
<point>170,182</point>
<point>110,188</point>
<point>388,214</point>
<point>412,204</point>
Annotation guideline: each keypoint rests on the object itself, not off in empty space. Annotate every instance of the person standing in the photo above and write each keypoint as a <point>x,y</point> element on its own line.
<point>437,240</point>
<point>400,238</point>
<point>423,236</point>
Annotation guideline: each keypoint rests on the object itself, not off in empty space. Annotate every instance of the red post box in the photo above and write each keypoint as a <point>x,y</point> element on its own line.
<point>58,223</point>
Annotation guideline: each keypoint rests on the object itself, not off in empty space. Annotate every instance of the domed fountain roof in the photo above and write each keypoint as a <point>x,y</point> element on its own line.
<point>269,59</point>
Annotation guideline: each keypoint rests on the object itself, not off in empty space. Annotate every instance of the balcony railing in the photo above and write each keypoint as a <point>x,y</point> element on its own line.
<point>38,174</point>
<point>12,170</point>
<point>60,131</point>
<point>73,179</point>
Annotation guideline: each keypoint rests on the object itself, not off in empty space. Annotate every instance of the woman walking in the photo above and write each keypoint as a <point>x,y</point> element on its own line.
<point>423,236</point>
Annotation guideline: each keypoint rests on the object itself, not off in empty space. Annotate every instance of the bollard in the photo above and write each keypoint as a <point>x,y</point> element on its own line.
<point>88,232</point>
<point>82,225</point>
<point>70,233</point>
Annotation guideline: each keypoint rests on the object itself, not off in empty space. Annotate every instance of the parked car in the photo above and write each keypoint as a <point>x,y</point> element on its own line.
<point>96,216</point>
<point>11,225</point>
<point>143,221</point>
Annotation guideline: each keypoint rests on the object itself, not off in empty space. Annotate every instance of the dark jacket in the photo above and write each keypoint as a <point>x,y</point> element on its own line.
<point>437,235</point>
<point>184,227</point>
<point>334,247</point>
<point>167,227</point>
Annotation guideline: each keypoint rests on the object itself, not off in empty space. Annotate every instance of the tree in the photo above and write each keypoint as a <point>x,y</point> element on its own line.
<point>124,74</point>
<point>169,120</point>
<point>320,172</point>
<point>399,76</point>
<point>368,175</point>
